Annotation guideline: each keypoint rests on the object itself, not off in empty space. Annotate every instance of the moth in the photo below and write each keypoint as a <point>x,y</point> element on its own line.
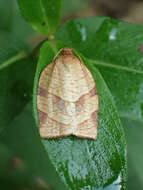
<point>67,100</point>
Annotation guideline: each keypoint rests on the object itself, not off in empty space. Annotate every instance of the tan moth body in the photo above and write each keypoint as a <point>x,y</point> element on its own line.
<point>67,100</point>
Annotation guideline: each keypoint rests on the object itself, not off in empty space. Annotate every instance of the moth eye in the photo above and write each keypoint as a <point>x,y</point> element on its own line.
<point>67,100</point>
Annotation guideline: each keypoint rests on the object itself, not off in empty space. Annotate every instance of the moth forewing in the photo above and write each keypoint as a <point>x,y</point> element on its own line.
<point>67,100</point>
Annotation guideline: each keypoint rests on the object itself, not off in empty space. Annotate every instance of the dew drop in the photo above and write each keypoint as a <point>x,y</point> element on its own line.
<point>112,35</point>
<point>82,31</point>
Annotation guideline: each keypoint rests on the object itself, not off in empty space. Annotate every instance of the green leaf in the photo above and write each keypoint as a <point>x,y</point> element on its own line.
<point>15,88</point>
<point>11,20</point>
<point>20,28</point>
<point>115,48</point>
<point>9,46</point>
<point>88,164</point>
<point>6,14</point>
<point>13,171</point>
<point>5,155</point>
<point>23,139</point>
<point>43,15</point>
<point>17,72</point>
<point>134,131</point>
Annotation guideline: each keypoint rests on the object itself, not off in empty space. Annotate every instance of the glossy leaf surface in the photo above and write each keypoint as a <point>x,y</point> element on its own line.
<point>89,164</point>
<point>43,15</point>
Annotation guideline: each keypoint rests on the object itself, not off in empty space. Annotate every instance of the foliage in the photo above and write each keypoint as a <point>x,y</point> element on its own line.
<point>112,51</point>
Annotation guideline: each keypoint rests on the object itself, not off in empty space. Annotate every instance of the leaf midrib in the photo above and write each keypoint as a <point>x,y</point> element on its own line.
<point>19,56</point>
<point>130,117</point>
<point>44,13</point>
<point>118,67</point>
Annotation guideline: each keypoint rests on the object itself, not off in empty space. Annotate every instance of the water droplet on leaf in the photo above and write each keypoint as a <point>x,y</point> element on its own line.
<point>82,31</point>
<point>112,35</point>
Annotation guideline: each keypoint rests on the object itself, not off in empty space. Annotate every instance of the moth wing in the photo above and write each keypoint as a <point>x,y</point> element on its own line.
<point>53,121</point>
<point>67,101</point>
